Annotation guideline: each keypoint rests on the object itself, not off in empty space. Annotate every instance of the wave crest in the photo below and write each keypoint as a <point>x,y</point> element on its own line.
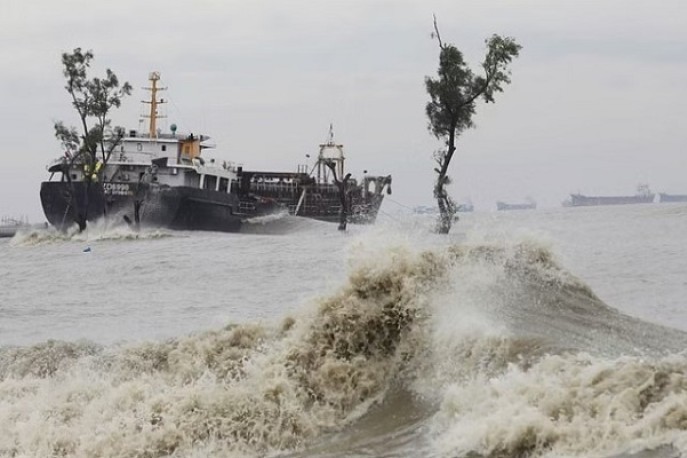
<point>568,405</point>
<point>98,231</point>
<point>494,335</point>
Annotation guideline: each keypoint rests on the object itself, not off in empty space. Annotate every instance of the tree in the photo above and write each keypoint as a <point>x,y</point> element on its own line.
<point>453,94</point>
<point>344,194</point>
<point>93,99</point>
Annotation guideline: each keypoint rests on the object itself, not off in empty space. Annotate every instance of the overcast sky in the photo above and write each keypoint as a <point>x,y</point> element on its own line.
<point>597,104</point>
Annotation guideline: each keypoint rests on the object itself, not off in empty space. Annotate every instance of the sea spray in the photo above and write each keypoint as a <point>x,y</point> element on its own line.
<point>567,405</point>
<point>525,360</point>
<point>43,360</point>
<point>517,357</point>
<point>97,231</point>
<point>244,389</point>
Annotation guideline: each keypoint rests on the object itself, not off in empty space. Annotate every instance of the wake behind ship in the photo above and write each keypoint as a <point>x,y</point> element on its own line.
<point>160,179</point>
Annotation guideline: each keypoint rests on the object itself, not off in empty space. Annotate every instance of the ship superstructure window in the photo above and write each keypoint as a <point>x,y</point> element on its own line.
<point>163,147</point>
<point>223,184</point>
<point>210,182</point>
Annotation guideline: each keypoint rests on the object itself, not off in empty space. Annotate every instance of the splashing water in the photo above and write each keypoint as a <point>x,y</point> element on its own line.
<point>98,231</point>
<point>509,355</point>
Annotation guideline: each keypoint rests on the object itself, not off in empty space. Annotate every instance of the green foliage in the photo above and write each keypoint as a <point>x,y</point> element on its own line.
<point>93,99</point>
<point>456,88</point>
<point>69,137</point>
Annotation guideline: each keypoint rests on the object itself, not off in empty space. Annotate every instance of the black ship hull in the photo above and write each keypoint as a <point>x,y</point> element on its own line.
<point>148,205</point>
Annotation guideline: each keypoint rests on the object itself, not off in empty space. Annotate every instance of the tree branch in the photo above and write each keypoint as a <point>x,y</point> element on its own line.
<point>436,31</point>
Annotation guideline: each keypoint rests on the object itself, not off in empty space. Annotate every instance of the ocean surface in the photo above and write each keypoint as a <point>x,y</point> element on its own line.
<point>547,333</point>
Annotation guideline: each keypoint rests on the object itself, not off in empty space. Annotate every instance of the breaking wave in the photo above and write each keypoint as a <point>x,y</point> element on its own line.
<point>495,349</point>
<point>281,223</point>
<point>266,219</point>
<point>97,231</point>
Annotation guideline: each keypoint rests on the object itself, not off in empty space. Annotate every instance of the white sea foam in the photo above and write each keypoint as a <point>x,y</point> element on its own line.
<point>567,405</point>
<point>517,356</point>
<point>244,389</point>
<point>98,231</point>
<point>266,219</point>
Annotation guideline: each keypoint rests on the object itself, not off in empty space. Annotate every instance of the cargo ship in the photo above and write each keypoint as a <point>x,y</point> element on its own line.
<point>529,205</point>
<point>315,192</point>
<point>10,226</point>
<point>667,198</point>
<point>643,196</point>
<point>158,179</point>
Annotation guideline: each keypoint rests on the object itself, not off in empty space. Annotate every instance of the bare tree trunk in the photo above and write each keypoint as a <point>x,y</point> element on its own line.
<point>345,201</point>
<point>343,197</point>
<point>446,212</point>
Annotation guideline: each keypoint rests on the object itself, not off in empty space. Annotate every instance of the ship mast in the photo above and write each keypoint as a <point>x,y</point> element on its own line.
<point>154,77</point>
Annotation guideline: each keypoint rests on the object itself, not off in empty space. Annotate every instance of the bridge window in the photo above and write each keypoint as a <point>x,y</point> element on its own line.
<point>223,184</point>
<point>210,182</point>
<point>164,147</point>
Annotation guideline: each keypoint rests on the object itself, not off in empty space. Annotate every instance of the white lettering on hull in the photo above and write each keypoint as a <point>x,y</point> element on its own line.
<point>118,189</point>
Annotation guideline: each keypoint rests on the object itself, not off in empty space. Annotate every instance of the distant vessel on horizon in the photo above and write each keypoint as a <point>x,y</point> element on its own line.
<point>529,205</point>
<point>10,226</point>
<point>643,196</point>
<point>666,198</point>
<point>466,207</point>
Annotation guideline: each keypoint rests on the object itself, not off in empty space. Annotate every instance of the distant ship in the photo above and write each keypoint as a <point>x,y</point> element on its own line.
<point>466,207</point>
<point>426,210</point>
<point>530,205</point>
<point>10,226</point>
<point>665,198</point>
<point>643,196</point>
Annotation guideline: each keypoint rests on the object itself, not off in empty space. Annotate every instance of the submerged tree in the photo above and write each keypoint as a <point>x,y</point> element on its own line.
<point>92,144</point>
<point>453,94</point>
<point>344,194</point>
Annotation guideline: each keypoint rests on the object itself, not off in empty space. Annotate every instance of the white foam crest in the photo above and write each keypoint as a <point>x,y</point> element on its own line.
<point>469,335</point>
<point>243,390</point>
<point>570,405</point>
<point>269,218</point>
<point>434,318</point>
<point>97,231</point>
<point>490,362</point>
